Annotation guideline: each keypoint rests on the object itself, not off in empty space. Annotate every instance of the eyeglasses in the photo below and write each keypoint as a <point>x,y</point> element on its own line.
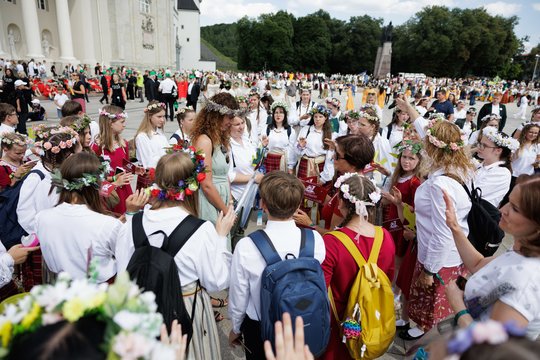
<point>481,145</point>
<point>338,157</point>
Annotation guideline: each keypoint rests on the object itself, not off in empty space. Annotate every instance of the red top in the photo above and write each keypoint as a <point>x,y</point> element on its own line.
<point>330,209</point>
<point>340,262</point>
<point>5,171</point>
<point>182,89</point>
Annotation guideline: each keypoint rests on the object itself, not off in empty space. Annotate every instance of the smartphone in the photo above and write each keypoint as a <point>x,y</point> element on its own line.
<point>119,170</point>
<point>461,282</point>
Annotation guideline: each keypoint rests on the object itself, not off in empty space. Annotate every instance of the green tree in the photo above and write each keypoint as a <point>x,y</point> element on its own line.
<point>223,37</point>
<point>312,44</point>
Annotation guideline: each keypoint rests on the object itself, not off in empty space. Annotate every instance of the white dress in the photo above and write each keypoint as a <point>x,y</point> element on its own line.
<point>151,148</point>
<point>525,158</point>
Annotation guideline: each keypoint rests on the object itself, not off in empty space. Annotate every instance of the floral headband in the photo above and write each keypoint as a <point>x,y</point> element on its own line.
<point>55,149</point>
<point>368,116</point>
<point>182,110</point>
<point>187,186</point>
<point>333,101</point>
<point>155,106</point>
<point>352,114</point>
<point>130,315</point>
<point>491,117</point>
<point>241,99</point>
<point>453,146</point>
<point>222,109</point>
<point>490,331</point>
<point>320,109</point>
<point>360,205</point>
<point>86,180</point>
<point>4,139</point>
<point>122,115</point>
<point>42,131</point>
<point>499,139</point>
<point>413,146</point>
<point>83,122</point>
<point>280,104</point>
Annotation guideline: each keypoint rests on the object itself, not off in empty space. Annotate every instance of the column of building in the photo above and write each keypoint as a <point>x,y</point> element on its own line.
<point>31,29</point>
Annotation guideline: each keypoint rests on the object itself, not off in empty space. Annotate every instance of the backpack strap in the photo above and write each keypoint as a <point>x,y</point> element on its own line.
<point>139,236</point>
<point>265,246</point>
<point>351,247</point>
<point>307,243</point>
<point>377,244</point>
<point>176,137</point>
<point>182,233</point>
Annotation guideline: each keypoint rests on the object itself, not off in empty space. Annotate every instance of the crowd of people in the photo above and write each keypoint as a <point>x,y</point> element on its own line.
<point>366,202</point>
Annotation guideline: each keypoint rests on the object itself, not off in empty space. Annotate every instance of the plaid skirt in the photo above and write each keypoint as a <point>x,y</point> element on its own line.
<point>273,162</point>
<point>429,306</point>
<point>305,169</point>
<point>31,271</point>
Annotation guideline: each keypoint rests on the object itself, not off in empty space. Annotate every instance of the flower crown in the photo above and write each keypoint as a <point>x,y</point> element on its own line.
<point>359,204</point>
<point>413,146</point>
<point>210,105</point>
<point>491,117</point>
<point>154,106</point>
<point>187,186</point>
<point>42,131</point>
<point>499,139</point>
<point>182,110</point>
<point>241,99</point>
<point>122,115</point>
<point>364,114</point>
<point>320,109</point>
<point>489,331</point>
<point>15,140</point>
<point>453,146</point>
<point>333,101</point>
<point>55,149</point>
<point>280,104</point>
<point>130,315</point>
<point>81,124</point>
<point>352,114</point>
<point>86,180</point>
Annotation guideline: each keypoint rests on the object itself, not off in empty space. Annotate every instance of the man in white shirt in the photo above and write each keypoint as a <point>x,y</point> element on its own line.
<point>167,87</point>
<point>281,195</point>
<point>31,68</point>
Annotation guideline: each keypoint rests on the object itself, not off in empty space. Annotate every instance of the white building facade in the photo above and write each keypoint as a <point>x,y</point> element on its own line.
<point>138,33</point>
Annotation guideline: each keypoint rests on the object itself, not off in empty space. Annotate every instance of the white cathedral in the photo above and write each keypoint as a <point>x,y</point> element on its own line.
<point>143,34</point>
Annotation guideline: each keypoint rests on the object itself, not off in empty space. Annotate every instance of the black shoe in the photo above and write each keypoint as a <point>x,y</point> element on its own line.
<point>405,327</point>
<point>404,334</point>
<point>101,102</point>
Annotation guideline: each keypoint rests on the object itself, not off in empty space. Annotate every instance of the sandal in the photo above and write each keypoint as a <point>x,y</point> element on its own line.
<point>220,302</point>
<point>218,317</point>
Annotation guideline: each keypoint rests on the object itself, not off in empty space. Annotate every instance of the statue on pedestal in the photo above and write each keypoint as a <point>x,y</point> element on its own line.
<point>12,40</point>
<point>386,35</point>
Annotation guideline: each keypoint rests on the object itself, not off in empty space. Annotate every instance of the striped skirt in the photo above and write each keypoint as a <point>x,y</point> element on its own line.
<point>310,166</point>
<point>275,161</point>
<point>205,340</point>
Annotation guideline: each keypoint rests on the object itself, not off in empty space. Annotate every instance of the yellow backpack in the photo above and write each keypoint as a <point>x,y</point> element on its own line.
<point>369,323</point>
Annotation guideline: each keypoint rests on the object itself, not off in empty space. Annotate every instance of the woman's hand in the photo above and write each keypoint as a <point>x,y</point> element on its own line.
<point>19,253</point>
<point>425,280</point>
<point>455,296</point>
<point>394,196</point>
<point>136,201</point>
<point>224,223</point>
<point>176,340</point>
<point>301,218</point>
<point>451,219</point>
<point>23,169</point>
<point>408,234</point>
<point>123,179</point>
<point>330,143</point>
<point>258,178</point>
<point>264,141</point>
<point>302,142</point>
<point>288,346</point>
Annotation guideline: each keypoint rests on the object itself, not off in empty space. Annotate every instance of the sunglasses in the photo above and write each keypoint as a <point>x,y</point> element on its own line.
<point>226,153</point>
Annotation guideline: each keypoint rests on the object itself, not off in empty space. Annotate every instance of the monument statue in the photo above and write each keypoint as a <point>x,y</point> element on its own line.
<point>384,53</point>
<point>386,35</point>
<point>46,46</point>
<point>12,40</point>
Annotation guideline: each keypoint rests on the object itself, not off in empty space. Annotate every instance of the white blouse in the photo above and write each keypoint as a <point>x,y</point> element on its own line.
<point>67,232</point>
<point>396,136</point>
<point>257,123</point>
<point>526,157</point>
<point>301,110</point>
<point>494,181</point>
<point>6,266</point>
<point>278,141</point>
<point>436,247</point>
<point>34,197</point>
<point>151,149</point>
<point>181,136</point>
<point>314,148</point>
<point>203,257</point>
<point>383,153</point>
<point>242,163</point>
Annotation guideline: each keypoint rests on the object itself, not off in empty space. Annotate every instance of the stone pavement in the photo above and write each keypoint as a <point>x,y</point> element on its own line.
<point>135,112</point>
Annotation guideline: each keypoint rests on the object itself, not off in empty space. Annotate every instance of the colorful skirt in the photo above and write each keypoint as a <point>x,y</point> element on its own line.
<point>205,340</point>
<point>275,161</point>
<point>309,166</point>
<point>31,271</point>
<point>429,306</point>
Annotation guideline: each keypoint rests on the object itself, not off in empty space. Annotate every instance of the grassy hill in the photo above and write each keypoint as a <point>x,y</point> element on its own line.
<point>210,53</point>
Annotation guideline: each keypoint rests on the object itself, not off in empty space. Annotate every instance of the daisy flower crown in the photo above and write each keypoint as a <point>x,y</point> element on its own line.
<point>130,315</point>
<point>360,205</point>
<point>185,187</point>
<point>210,105</point>
<point>432,138</point>
<point>499,139</point>
<point>280,104</point>
<point>122,115</point>
<point>8,140</point>
<point>56,148</point>
<point>333,101</point>
<point>241,99</point>
<point>154,106</point>
<point>183,110</point>
<point>491,117</point>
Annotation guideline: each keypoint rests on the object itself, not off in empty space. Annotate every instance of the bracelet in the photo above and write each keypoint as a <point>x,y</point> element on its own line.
<point>460,314</point>
<point>114,178</point>
<point>131,212</point>
<point>435,275</point>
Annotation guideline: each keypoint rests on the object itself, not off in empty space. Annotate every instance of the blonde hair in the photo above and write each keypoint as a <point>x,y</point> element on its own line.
<point>146,123</point>
<point>106,136</point>
<point>523,137</point>
<point>457,163</point>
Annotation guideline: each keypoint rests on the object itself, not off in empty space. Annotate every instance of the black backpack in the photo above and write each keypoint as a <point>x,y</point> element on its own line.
<point>483,219</point>
<point>10,230</point>
<point>154,269</point>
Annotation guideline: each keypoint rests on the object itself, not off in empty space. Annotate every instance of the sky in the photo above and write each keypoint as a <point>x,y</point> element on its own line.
<point>397,11</point>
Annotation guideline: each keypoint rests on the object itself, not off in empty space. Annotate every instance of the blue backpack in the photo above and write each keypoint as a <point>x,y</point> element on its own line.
<point>10,230</point>
<point>296,286</point>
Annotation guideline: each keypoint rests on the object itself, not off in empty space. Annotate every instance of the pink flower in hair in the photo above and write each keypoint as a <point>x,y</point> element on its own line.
<point>454,146</point>
<point>62,145</point>
<point>69,143</point>
<point>55,150</point>
<point>47,145</point>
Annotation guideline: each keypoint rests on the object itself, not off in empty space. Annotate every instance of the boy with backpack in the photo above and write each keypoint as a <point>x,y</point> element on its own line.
<point>277,270</point>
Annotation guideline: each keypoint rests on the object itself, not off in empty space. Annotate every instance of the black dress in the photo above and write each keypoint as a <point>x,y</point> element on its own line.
<point>117,98</point>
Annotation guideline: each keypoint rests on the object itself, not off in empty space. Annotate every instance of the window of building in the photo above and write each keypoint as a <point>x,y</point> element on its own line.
<point>144,6</point>
<point>182,27</point>
<point>187,39</point>
<point>42,5</point>
<point>11,1</point>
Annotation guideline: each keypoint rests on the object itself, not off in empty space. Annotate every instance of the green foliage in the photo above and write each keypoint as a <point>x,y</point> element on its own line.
<point>223,37</point>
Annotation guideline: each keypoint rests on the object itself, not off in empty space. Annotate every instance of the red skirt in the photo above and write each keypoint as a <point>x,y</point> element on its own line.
<point>303,168</point>
<point>272,162</point>
<point>406,270</point>
<point>32,270</point>
<point>429,306</point>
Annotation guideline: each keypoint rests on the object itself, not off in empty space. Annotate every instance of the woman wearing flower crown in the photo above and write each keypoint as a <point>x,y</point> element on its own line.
<point>279,138</point>
<point>492,120</point>
<point>526,159</point>
<point>535,119</point>
<point>111,147</point>
<point>358,198</point>
<point>257,116</point>
<point>211,134</point>
<point>186,120</point>
<point>438,259</point>
<point>314,156</point>
<point>79,215</point>
<point>12,166</point>
<point>81,124</point>
<point>339,127</point>
<point>203,259</point>
<point>150,140</point>
<point>494,175</point>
